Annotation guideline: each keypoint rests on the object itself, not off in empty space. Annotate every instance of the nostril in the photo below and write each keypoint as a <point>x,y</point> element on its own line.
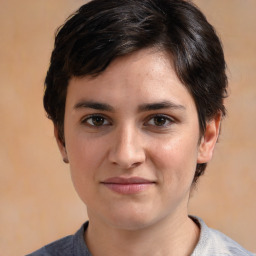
<point>135,164</point>
<point>127,152</point>
<point>127,165</point>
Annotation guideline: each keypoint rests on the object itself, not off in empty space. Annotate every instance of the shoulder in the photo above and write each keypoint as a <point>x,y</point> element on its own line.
<point>213,242</point>
<point>61,247</point>
<point>226,245</point>
<point>72,245</point>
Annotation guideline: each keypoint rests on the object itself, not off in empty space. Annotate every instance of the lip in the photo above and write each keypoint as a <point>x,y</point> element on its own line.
<point>132,185</point>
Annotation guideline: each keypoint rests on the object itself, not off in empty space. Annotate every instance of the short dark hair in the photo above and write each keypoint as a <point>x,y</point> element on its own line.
<point>101,31</point>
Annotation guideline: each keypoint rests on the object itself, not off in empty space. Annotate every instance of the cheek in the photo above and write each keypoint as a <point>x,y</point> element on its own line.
<point>177,158</point>
<point>85,159</point>
<point>84,152</point>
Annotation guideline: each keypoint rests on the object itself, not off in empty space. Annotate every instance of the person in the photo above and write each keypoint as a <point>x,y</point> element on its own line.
<point>136,90</point>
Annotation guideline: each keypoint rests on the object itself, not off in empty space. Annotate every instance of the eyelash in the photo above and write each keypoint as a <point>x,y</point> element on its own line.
<point>147,123</point>
<point>86,120</point>
<point>165,119</point>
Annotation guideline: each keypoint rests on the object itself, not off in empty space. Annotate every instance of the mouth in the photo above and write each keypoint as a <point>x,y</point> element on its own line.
<point>133,185</point>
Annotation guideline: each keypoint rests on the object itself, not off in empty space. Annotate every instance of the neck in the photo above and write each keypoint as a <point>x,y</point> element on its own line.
<point>169,237</point>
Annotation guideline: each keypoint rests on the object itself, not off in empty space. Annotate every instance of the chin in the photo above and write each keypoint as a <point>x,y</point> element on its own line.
<point>131,224</point>
<point>133,220</point>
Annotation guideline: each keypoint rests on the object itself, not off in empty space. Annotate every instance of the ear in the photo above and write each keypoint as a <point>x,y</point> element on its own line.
<point>209,139</point>
<point>61,145</point>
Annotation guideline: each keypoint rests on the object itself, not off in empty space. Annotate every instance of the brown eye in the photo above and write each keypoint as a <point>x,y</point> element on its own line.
<point>96,121</point>
<point>160,121</point>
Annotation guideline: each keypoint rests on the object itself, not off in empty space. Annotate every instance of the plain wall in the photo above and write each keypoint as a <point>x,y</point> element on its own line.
<point>37,199</point>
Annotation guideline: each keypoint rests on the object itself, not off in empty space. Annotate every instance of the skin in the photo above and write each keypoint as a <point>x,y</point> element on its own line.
<point>144,125</point>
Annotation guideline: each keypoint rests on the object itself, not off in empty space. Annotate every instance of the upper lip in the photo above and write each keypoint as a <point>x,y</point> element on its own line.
<point>122,180</point>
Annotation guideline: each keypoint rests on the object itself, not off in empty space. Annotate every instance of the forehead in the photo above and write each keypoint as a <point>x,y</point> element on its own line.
<point>146,75</point>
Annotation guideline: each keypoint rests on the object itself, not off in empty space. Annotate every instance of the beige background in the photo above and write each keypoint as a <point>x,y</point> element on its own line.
<point>37,200</point>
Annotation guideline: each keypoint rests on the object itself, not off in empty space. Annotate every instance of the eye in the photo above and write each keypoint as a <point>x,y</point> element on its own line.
<point>160,121</point>
<point>96,120</point>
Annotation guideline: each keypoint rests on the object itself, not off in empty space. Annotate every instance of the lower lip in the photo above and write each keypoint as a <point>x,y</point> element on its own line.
<point>127,189</point>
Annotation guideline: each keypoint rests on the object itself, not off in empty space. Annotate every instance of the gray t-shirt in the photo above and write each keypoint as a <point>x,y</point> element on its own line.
<point>211,243</point>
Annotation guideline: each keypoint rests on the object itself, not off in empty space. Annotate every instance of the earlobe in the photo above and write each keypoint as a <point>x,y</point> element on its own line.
<point>61,145</point>
<point>209,139</point>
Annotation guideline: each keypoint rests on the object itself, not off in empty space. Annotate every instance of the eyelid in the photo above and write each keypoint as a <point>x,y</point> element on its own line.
<point>87,117</point>
<point>167,117</point>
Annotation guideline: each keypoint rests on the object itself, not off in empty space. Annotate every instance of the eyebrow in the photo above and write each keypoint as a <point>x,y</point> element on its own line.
<point>94,105</point>
<point>141,108</point>
<point>160,105</point>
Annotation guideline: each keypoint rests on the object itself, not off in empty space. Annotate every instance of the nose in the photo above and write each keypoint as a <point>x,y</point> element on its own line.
<point>126,148</point>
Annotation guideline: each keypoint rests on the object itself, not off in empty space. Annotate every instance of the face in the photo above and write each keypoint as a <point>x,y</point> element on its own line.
<point>132,141</point>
